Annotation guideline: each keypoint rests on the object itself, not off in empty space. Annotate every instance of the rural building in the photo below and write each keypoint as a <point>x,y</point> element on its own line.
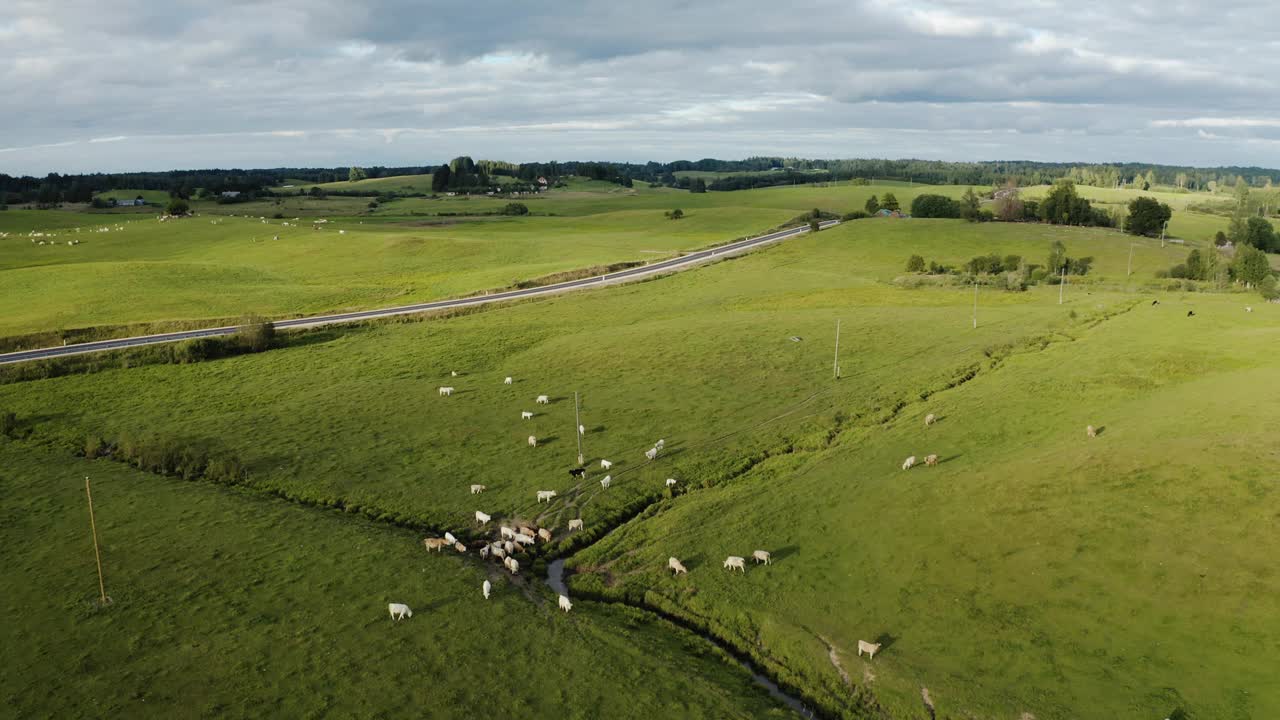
<point>230,193</point>
<point>135,202</point>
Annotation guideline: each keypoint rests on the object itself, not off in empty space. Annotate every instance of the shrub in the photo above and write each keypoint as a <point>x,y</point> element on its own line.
<point>1268,287</point>
<point>674,214</point>
<point>177,206</point>
<point>915,264</point>
<point>855,215</point>
<point>255,334</point>
<point>1178,271</point>
<point>1162,274</point>
<point>96,447</point>
<point>515,208</point>
<point>278,216</point>
<point>934,206</point>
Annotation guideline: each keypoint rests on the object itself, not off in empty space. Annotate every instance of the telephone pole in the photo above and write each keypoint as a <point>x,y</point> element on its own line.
<point>577,428</point>
<point>975,303</point>
<point>97,554</point>
<point>1062,283</point>
<point>836,365</point>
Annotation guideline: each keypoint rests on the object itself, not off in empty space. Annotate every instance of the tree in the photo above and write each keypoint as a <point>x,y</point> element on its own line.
<point>1008,205</point>
<point>815,225</point>
<point>177,206</point>
<point>1220,239</point>
<point>1251,265</point>
<point>873,205</point>
<point>1147,216</point>
<point>356,174</point>
<point>915,264</point>
<point>969,205</point>
<point>1057,256</point>
<point>440,179</point>
<point>890,202</point>
<point>698,186</point>
<point>674,214</point>
<point>1061,205</point>
<point>1196,267</point>
<point>1260,234</point>
<point>935,206</point>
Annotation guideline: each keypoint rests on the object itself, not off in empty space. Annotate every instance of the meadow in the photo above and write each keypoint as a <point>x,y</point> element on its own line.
<point>1033,570</point>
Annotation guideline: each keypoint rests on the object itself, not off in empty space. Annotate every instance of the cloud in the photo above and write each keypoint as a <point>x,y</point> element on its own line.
<point>403,82</point>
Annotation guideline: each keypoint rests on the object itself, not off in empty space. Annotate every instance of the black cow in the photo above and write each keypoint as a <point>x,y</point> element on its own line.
<point>578,472</point>
<point>1191,313</point>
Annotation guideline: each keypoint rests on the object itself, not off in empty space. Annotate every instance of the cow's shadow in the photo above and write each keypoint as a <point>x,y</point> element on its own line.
<point>885,641</point>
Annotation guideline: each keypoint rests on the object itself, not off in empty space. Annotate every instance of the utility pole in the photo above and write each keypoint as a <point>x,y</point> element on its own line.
<point>836,365</point>
<point>577,432</point>
<point>975,303</point>
<point>97,554</point>
<point>1162,229</point>
<point>1062,283</point>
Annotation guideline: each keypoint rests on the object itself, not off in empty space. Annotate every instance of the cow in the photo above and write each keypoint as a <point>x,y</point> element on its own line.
<point>454,373</point>
<point>651,453</point>
<point>582,429</point>
<point>528,530</point>
<point>506,532</point>
<point>1089,431</point>
<point>546,495</point>
<point>545,534</point>
<point>533,441</point>
<point>512,564</point>
<point>498,551</point>
<point>477,489</point>
<point>930,419</point>
<point>506,381</point>
<point>484,551</point>
<point>762,556</point>
<point>671,482</point>
<point>436,544</point>
<point>460,547</point>
<point>660,444</point>
<point>526,415</point>
<point>575,524</point>
<point>445,391</point>
<point>869,648</point>
<point>733,561</point>
<point>676,567</point>
<point>909,463</point>
<point>399,611</point>
<point>930,460</point>
<point>605,464</point>
<point>543,400</point>
<point>578,472</point>
<point>565,605</point>
<point>605,482</point>
<point>450,538</point>
<point>485,588</point>
<point>523,539</point>
<point>482,518</point>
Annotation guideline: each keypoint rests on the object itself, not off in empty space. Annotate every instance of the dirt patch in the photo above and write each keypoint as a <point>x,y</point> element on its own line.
<point>868,675</point>
<point>833,654</point>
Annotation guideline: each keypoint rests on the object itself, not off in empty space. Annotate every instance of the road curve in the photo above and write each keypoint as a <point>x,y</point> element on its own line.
<point>679,263</point>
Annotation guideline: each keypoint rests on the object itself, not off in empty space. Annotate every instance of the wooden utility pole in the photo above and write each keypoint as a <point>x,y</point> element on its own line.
<point>1062,283</point>
<point>975,303</point>
<point>835,369</point>
<point>577,431</point>
<point>97,554</point>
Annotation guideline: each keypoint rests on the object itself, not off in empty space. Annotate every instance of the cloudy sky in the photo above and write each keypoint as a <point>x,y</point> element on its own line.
<point>145,84</point>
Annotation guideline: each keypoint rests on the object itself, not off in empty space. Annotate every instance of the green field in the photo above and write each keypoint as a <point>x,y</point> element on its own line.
<point>155,197</point>
<point>1034,570</point>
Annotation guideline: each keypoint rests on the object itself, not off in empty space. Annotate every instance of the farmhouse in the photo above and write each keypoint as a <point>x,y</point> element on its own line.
<point>136,202</point>
<point>230,193</point>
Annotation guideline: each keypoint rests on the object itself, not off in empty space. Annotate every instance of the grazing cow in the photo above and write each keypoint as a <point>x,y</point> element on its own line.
<point>1155,302</point>
<point>605,482</point>
<point>445,391</point>
<point>543,400</point>
<point>565,605</point>
<point>762,556</point>
<point>605,464</point>
<point>869,648</point>
<point>651,453</point>
<point>1246,308</point>
<point>733,561</point>
<point>436,544</point>
<point>506,532</point>
<point>484,551</point>
<point>509,547</point>
<point>1191,313</point>
<point>578,472</point>
<point>545,534</point>
<point>485,588</point>
<point>460,547</point>
<point>450,538</point>
<point>546,495</point>
<point>582,429</point>
<point>1089,431</point>
<point>526,415</point>
<point>506,381</point>
<point>660,444</point>
<point>930,419</point>
<point>528,531</point>
<point>909,463</point>
<point>512,564</point>
<point>671,482</point>
<point>498,551</point>
<point>523,539</point>
<point>477,489</point>
<point>482,518</point>
<point>533,441</point>
<point>399,611</point>
<point>454,373</point>
<point>575,524</point>
<point>930,460</point>
<point>676,567</point>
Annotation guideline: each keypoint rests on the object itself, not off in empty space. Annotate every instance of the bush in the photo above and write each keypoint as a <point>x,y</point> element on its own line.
<point>915,264</point>
<point>255,334</point>
<point>1162,274</point>
<point>1039,274</point>
<point>1178,271</point>
<point>177,206</point>
<point>1268,288</point>
<point>515,208</point>
<point>855,215</point>
<point>674,214</point>
<point>278,216</point>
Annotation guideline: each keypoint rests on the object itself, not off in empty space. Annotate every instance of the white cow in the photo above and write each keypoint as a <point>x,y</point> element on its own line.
<point>733,561</point>
<point>1248,309</point>
<point>484,551</point>
<point>930,460</point>
<point>533,441</point>
<point>449,536</point>
<point>605,464</point>
<point>523,539</point>
<point>498,551</point>
<point>545,534</point>
<point>528,530</point>
<point>399,611</point>
<point>506,381</point>
<point>676,566</point>
<point>543,400</point>
<point>445,391</point>
<point>460,547</point>
<point>660,444</point>
<point>509,547</point>
<point>575,524</point>
<point>453,373</point>
<point>909,463</point>
<point>506,532</point>
<point>477,489</point>
<point>762,556</point>
<point>482,518</point>
<point>565,605</point>
<point>1088,430</point>
<point>546,495</point>
<point>651,453</point>
<point>605,482</point>
<point>869,648</point>
<point>485,588</point>
<point>671,482</point>
<point>512,564</point>
<point>930,419</point>
<point>526,415</point>
<point>582,430</point>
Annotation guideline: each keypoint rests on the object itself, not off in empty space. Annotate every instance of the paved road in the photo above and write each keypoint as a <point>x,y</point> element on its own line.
<point>678,263</point>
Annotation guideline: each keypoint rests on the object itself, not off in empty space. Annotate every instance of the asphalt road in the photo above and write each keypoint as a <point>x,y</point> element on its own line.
<point>679,263</point>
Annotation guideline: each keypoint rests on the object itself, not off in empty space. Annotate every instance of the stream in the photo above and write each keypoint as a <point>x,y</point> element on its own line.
<point>555,580</point>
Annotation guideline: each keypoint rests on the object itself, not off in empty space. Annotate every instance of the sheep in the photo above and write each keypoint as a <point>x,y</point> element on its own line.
<point>869,648</point>
<point>930,460</point>
<point>460,547</point>
<point>733,561</point>
<point>436,544</point>
<point>482,518</point>
<point>930,419</point>
<point>506,532</point>
<point>512,564</point>
<point>526,415</point>
<point>762,556</point>
<point>605,464</point>
<point>543,400</point>
<point>671,482</point>
<point>1089,431</point>
<point>523,539</point>
<point>399,611</point>
<point>506,381</point>
<point>676,566</point>
<point>477,489</point>
<point>565,605</point>
<point>545,534</point>
<point>449,536</point>
<point>605,482</point>
<point>546,495</point>
<point>651,453</point>
<point>909,463</point>
<point>533,441</point>
<point>445,391</point>
<point>582,430</point>
<point>575,524</point>
<point>485,588</point>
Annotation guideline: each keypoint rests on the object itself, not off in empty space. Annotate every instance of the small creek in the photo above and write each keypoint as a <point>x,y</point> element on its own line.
<point>555,580</point>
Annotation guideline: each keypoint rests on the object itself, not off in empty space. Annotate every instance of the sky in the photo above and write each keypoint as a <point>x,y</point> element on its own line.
<point>150,85</point>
